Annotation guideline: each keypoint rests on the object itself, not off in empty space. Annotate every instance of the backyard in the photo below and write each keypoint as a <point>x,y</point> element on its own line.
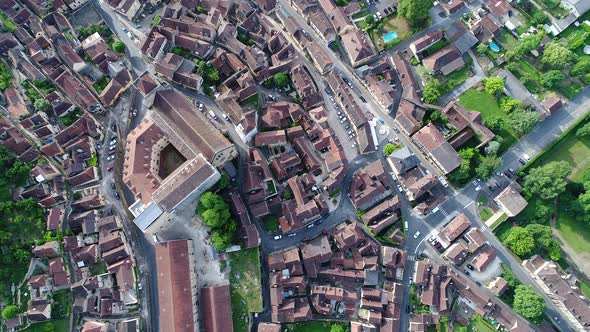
<point>314,326</point>
<point>389,24</point>
<point>246,296</point>
<point>487,105</point>
<point>271,224</point>
<point>55,325</point>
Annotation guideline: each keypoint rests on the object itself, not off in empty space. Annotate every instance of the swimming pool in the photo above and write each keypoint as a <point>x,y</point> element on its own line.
<point>391,35</point>
<point>494,47</point>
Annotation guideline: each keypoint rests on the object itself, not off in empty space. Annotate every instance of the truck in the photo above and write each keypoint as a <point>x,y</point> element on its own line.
<point>212,115</point>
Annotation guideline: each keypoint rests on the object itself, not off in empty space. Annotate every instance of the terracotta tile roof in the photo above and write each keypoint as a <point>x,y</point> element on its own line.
<point>216,309</point>
<point>175,275</point>
<point>456,227</point>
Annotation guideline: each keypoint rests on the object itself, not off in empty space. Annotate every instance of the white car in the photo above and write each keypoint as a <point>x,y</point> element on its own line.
<point>109,158</point>
<point>292,234</point>
<point>278,237</point>
<point>353,145</point>
<point>478,188</point>
<point>417,234</point>
<point>401,190</point>
<point>113,142</point>
<point>112,147</point>
<point>526,157</point>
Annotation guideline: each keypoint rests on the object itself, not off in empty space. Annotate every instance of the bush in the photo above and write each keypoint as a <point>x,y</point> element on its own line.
<point>118,46</point>
<point>10,312</point>
<point>389,148</point>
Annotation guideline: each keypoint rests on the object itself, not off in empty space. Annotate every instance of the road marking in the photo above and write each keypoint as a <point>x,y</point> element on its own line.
<point>444,213</point>
<point>411,258</point>
<point>468,205</point>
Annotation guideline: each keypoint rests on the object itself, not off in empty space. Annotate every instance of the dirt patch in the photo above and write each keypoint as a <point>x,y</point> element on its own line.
<point>170,160</point>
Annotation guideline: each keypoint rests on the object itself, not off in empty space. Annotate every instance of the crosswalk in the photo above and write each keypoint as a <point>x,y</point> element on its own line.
<point>411,258</point>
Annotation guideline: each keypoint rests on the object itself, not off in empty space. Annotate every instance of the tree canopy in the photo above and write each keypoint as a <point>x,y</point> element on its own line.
<point>520,241</point>
<point>487,166</point>
<point>281,80</point>
<point>529,303</point>
<point>432,91</point>
<point>389,148</point>
<point>549,180</point>
<point>523,121</point>
<point>9,312</point>
<point>525,45</point>
<point>416,12</point>
<point>557,55</point>
<point>336,328</point>
<point>584,132</point>
<point>216,214</point>
<point>118,46</point>
<point>551,78</point>
<point>493,85</point>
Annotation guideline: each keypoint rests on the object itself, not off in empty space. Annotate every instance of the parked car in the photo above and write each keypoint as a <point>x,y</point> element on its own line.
<point>110,168</point>
<point>526,157</point>
<point>328,91</point>
<point>469,266</point>
<point>325,232</point>
<point>113,142</point>
<point>117,196</point>
<point>305,239</point>
<point>292,234</point>
<point>491,188</point>
<point>109,158</point>
<point>400,189</point>
<point>310,225</point>
<point>362,99</point>
<point>417,234</point>
<point>467,272</point>
<point>114,127</point>
<point>113,185</point>
<point>278,237</point>
<point>522,161</point>
<point>112,147</point>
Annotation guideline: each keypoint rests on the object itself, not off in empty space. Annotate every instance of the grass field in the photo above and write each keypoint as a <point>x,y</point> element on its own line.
<point>507,41</point>
<point>487,105</point>
<point>571,149</point>
<point>455,79</point>
<point>58,326</point>
<point>585,288</point>
<point>485,214</point>
<point>576,233</point>
<point>271,224</point>
<point>391,23</point>
<point>246,296</point>
<point>314,326</point>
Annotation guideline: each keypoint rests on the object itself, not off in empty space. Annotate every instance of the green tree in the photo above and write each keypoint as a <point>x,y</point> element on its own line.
<point>494,123</point>
<point>525,45</point>
<point>557,55</point>
<point>529,303</point>
<point>487,166</point>
<point>492,148</point>
<point>281,80</point>
<point>438,117</point>
<point>416,12</point>
<point>523,121</point>
<point>41,105</point>
<point>432,91</point>
<point>389,148</point>
<point>336,328</point>
<point>19,173</point>
<point>9,312</point>
<point>369,20</point>
<point>493,85</point>
<point>551,78</point>
<point>481,49</point>
<point>22,256</point>
<point>520,241</point>
<point>544,241</point>
<point>549,180</point>
<point>508,104</point>
<point>584,132</point>
<point>582,67</point>
<point>118,46</point>
<point>220,241</point>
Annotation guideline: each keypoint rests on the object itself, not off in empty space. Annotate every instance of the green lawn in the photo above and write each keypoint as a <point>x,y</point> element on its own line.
<point>499,221</point>
<point>55,325</point>
<point>391,23</point>
<point>507,40</point>
<point>7,23</point>
<point>271,223</point>
<point>485,214</point>
<point>585,288</point>
<point>455,79</point>
<point>576,233</point>
<point>487,105</point>
<point>480,325</point>
<point>246,296</point>
<point>571,149</point>
<point>314,326</point>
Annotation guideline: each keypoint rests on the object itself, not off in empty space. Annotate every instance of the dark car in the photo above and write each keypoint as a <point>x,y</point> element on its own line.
<point>328,91</point>
<point>305,239</point>
<point>507,173</point>
<point>110,168</point>
<point>363,99</point>
<point>113,185</point>
<point>318,222</point>
<point>466,272</point>
<point>469,266</point>
<point>407,309</point>
<point>491,188</point>
<point>345,79</point>
<point>522,161</point>
<point>117,196</point>
<point>325,232</point>
<point>478,283</point>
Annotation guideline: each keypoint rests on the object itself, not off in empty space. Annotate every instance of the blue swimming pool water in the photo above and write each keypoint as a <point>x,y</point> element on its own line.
<point>494,47</point>
<point>391,35</point>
